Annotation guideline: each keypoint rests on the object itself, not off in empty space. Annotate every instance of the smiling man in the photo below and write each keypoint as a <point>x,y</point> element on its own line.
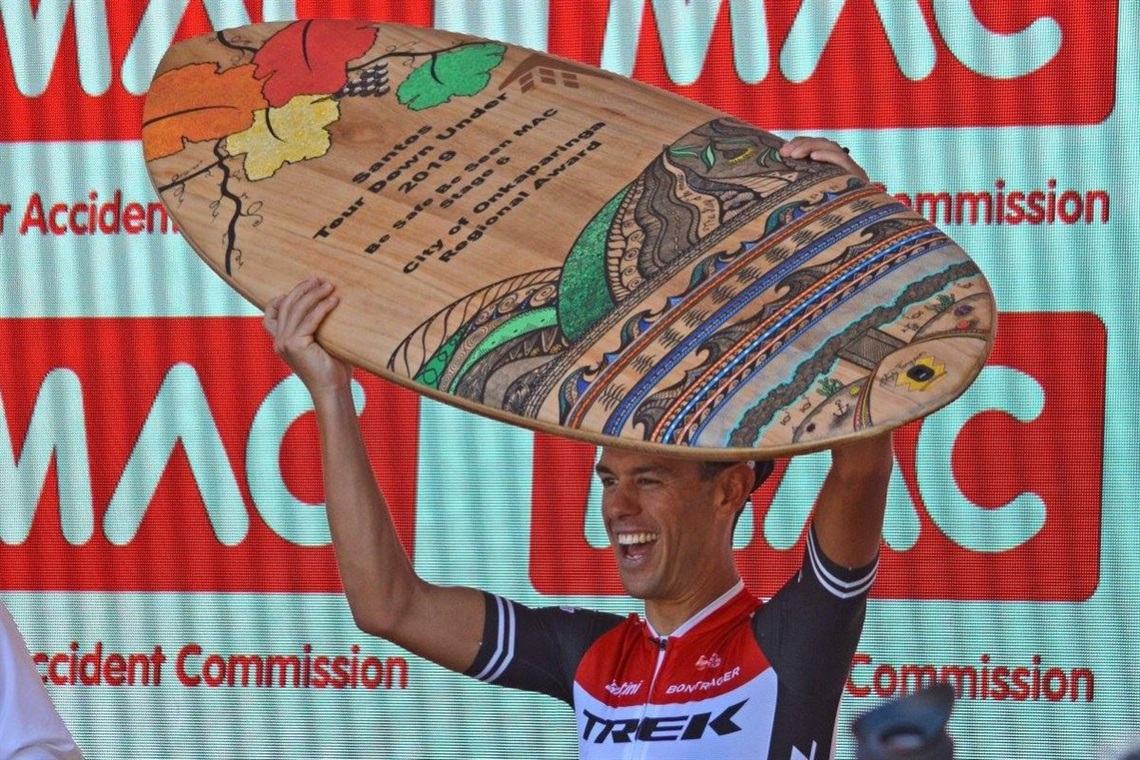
<point>710,670</point>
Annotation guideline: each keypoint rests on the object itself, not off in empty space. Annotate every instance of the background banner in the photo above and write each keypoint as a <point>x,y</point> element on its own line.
<point>163,545</point>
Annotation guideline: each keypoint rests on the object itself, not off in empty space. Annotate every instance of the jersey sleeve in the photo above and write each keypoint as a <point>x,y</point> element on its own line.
<point>536,649</point>
<point>809,630</point>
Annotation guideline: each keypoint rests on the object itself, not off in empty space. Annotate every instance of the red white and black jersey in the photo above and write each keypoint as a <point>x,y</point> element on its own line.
<point>741,679</point>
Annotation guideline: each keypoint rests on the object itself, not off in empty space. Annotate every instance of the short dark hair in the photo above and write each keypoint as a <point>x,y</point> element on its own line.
<point>761,469</point>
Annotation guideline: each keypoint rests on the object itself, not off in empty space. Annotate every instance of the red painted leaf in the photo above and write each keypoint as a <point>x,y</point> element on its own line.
<point>310,57</point>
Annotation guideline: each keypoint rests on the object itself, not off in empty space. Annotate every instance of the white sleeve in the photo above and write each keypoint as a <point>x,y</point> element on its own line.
<point>30,727</point>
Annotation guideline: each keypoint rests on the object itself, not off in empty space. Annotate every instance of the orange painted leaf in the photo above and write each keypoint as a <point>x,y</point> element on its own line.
<point>311,57</point>
<point>196,103</point>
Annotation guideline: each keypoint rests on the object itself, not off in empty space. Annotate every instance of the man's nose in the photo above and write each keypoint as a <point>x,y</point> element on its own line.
<point>619,501</point>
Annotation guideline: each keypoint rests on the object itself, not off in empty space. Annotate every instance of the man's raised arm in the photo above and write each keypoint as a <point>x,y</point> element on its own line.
<point>386,596</point>
<point>851,504</point>
<point>850,507</point>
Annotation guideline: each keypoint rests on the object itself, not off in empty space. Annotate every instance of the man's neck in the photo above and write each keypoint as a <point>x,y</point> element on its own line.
<point>665,616</point>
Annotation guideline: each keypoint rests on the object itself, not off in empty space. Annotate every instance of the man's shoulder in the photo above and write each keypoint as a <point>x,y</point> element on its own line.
<point>556,618</point>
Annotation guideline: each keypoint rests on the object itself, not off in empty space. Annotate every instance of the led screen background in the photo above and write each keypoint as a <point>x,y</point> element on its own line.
<point>161,529</point>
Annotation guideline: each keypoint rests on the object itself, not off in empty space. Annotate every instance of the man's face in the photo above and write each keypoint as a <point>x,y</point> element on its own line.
<point>660,516</point>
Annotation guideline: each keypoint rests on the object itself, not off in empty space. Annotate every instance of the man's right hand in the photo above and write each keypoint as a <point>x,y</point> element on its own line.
<point>441,623</point>
<point>292,320</point>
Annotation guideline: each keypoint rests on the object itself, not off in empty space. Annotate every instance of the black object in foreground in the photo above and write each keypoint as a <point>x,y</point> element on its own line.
<point>908,728</point>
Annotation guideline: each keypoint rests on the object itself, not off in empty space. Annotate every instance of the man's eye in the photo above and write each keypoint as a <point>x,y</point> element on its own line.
<point>646,482</point>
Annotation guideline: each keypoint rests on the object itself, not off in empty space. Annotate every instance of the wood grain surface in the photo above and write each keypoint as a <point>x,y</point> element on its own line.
<point>559,247</point>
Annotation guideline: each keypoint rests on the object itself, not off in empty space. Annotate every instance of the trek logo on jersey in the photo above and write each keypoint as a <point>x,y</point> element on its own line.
<point>703,662</point>
<point>784,65</point>
<point>599,730</point>
<point>174,454</point>
<point>1001,489</point>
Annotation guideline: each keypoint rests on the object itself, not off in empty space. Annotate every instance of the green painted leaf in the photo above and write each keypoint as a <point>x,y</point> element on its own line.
<point>682,151</point>
<point>462,71</point>
<point>708,156</point>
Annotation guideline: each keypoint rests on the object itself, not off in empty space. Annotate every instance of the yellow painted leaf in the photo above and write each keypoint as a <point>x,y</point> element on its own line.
<point>290,134</point>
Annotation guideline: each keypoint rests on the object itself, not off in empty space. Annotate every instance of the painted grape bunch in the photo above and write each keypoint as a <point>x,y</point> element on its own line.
<point>372,82</point>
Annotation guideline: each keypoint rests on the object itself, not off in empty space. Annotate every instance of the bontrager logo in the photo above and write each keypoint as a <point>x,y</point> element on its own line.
<point>1020,62</point>
<point>699,686</point>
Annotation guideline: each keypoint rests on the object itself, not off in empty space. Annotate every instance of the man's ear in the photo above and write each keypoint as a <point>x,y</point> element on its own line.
<point>736,486</point>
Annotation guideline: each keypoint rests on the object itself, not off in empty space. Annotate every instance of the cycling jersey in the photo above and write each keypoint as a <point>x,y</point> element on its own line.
<point>740,678</point>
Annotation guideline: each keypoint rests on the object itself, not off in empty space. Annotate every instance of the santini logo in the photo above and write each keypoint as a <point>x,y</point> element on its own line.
<point>625,689</point>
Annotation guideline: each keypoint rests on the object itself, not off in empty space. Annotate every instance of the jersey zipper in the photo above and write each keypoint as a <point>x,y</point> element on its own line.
<point>662,649</point>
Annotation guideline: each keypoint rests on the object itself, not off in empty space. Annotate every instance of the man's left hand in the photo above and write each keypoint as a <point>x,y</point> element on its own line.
<point>824,150</point>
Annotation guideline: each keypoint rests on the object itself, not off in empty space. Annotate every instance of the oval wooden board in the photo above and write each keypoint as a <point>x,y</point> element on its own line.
<point>558,247</point>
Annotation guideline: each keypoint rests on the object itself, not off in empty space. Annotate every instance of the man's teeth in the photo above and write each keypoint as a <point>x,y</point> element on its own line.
<point>627,539</point>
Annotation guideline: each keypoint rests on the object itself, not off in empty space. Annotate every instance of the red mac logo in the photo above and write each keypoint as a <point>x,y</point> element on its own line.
<point>849,63</point>
<point>173,455</point>
<point>80,69</point>
<point>73,70</point>
<point>998,496</point>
